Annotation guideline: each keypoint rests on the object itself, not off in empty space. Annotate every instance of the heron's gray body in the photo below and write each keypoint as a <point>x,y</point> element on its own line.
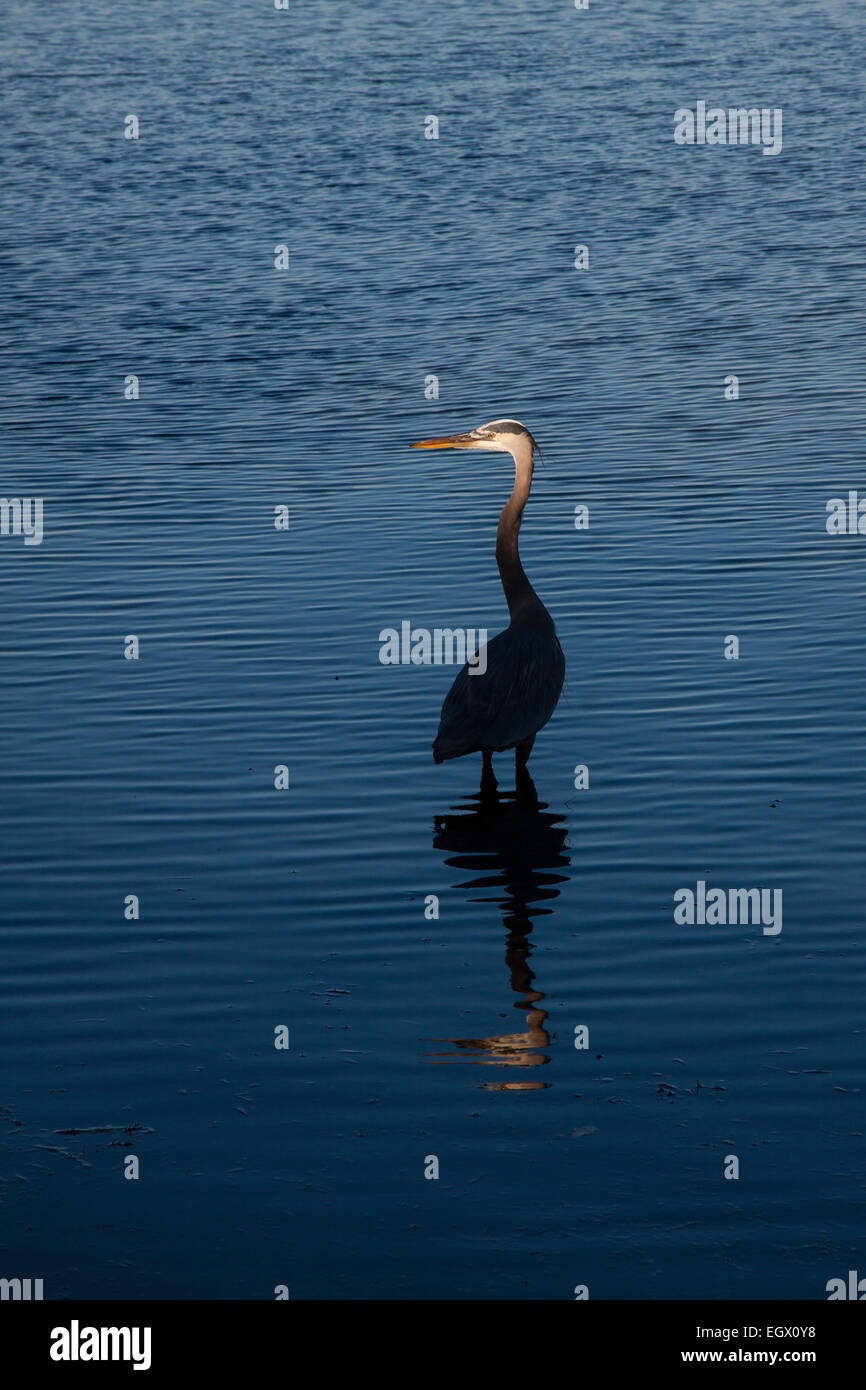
<point>511,701</point>
<point>506,705</point>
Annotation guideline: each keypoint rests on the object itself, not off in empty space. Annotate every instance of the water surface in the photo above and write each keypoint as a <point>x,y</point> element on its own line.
<point>411,1035</point>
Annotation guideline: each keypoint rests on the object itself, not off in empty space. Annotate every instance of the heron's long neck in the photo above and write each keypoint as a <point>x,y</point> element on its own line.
<point>522,599</point>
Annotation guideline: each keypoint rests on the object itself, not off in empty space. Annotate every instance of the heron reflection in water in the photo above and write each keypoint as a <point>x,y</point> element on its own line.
<point>513,846</point>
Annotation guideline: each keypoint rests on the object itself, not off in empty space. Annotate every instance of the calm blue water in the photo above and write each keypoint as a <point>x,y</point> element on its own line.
<point>410,1036</point>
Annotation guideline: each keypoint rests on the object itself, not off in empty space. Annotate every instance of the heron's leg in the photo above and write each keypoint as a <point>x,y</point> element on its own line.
<point>524,783</point>
<point>521,754</point>
<point>488,777</point>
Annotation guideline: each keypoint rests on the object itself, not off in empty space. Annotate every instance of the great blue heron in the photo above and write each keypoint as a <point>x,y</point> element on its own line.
<point>518,691</point>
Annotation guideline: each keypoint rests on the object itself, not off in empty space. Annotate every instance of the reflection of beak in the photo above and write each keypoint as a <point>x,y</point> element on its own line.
<point>449,441</point>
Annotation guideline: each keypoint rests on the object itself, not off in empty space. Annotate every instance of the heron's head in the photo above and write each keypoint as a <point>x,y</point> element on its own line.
<point>499,436</point>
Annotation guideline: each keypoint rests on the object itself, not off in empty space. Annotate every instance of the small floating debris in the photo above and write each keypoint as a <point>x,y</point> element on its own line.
<point>108,1129</point>
<point>53,1149</point>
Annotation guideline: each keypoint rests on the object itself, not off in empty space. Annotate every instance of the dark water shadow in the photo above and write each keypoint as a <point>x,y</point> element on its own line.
<point>514,846</point>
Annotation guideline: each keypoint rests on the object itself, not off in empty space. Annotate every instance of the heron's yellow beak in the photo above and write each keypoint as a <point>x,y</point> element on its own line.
<point>448,441</point>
